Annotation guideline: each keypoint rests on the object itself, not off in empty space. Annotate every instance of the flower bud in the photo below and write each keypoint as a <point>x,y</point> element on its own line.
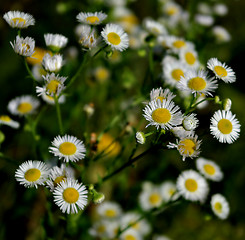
<point>140,137</point>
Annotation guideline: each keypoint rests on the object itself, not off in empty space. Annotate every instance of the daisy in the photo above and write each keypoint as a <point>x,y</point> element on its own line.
<point>50,100</point>
<point>224,126</point>
<point>192,186</point>
<point>220,206</point>
<point>109,210</point>
<point>52,63</point>
<point>187,145</point>
<point>220,9</point>
<point>168,191</point>
<point>68,148</point>
<point>53,85</point>
<point>115,36</point>
<point>162,114</point>
<point>91,18</point>
<point>88,37</point>
<point>190,122</point>
<point>24,105</point>
<point>197,82</point>
<point>209,169</point>
<point>154,27</point>
<point>55,41</point>
<point>24,46</point>
<point>38,72</point>
<point>6,120</point>
<point>32,173</point>
<point>158,93</point>
<point>70,196</point>
<point>176,44</point>
<point>204,20</point>
<point>221,34</point>
<point>189,57</point>
<point>17,19</point>
<point>221,70</point>
<point>172,9</point>
<point>140,137</point>
<point>130,234</point>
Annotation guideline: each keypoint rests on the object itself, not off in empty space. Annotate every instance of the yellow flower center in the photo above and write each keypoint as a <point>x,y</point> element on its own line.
<point>191,185</point>
<point>37,56</point>
<point>190,58</point>
<point>197,84</point>
<point>110,213</point>
<point>52,86</point>
<point>209,169</point>
<point>108,145</point>
<point>171,191</point>
<point>92,19</point>
<point>171,11</point>
<point>179,44</point>
<point>32,174</point>
<point>218,207</point>
<point>70,195</point>
<point>225,126</point>
<point>187,146</point>
<point>161,115</point>
<point>130,237</point>
<point>59,180</point>
<point>113,38</point>
<point>24,107</point>
<point>67,148</point>
<point>221,71</point>
<point>5,118</point>
<point>19,20</point>
<point>154,198</point>
<point>177,74</point>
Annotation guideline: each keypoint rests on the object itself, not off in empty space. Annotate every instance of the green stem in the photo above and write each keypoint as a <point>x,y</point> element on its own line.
<point>29,71</point>
<point>102,48</point>
<point>205,99</point>
<point>58,114</point>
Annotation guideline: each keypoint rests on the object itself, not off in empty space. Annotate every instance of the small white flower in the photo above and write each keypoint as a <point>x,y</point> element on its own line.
<point>221,34</point>
<point>24,46</point>
<point>38,72</point>
<point>130,234</point>
<point>220,9</point>
<point>190,122</point>
<point>6,120</point>
<point>91,18</point>
<point>109,210</point>
<point>169,191</point>
<point>189,57</point>
<point>220,206</point>
<point>154,27</point>
<point>140,137</point>
<point>158,93</point>
<point>32,173</point>
<point>50,100</point>
<point>204,20</point>
<point>55,41</point>
<point>224,126</point>
<point>52,63</point>
<point>17,19</point>
<point>172,9</point>
<point>177,44</point>
<point>88,37</point>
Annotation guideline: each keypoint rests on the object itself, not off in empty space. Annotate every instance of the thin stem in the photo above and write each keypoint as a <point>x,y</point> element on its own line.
<point>58,114</point>
<point>205,99</point>
<point>102,48</point>
<point>29,71</point>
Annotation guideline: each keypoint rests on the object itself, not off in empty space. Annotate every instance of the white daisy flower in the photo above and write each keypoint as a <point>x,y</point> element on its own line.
<point>197,82</point>
<point>32,173</point>
<point>70,196</point>
<point>204,8</point>
<point>154,27</point>
<point>209,169</point>
<point>6,120</point>
<point>38,72</point>
<point>68,148</point>
<point>115,36</point>
<point>91,18</point>
<point>24,46</point>
<point>162,114</point>
<point>88,37</point>
<point>52,63</point>
<point>221,70</point>
<point>189,57</point>
<point>177,44</point>
<point>190,122</point>
<point>224,126</point>
<point>23,105</point>
<point>158,93</point>
<point>55,41</point>
<point>204,20</point>
<point>221,34</point>
<point>168,191</point>
<point>54,85</point>
<point>17,19</point>
<point>220,9</point>
<point>220,206</point>
<point>130,234</point>
<point>109,210</point>
<point>172,9</point>
<point>187,145</point>
<point>50,100</point>
<point>192,186</point>
<point>140,137</point>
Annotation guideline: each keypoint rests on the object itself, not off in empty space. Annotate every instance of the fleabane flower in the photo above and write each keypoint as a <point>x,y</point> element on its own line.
<point>17,19</point>
<point>88,37</point>
<point>220,206</point>
<point>209,169</point>
<point>154,27</point>
<point>177,44</point>
<point>162,114</point>
<point>32,173</point>
<point>55,41</point>
<point>130,234</point>
<point>109,210</point>
<point>197,82</point>
<point>70,196</point>
<point>190,122</point>
<point>6,120</point>
<point>50,100</point>
<point>221,70</point>
<point>221,34</point>
<point>159,93</point>
<point>24,46</point>
<point>68,148</point>
<point>189,57</point>
<point>115,36</point>
<point>140,137</point>
<point>192,186</point>
<point>169,191</point>
<point>52,63</point>
<point>224,126</point>
<point>91,18</point>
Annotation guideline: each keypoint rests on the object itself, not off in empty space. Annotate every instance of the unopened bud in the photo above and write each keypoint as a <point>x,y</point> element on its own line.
<point>190,122</point>
<point>227,104</point>
<point>140,137</point>
<point>217,99</point>
<point>98,197</point>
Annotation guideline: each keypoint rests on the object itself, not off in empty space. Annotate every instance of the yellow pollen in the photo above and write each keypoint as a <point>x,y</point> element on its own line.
<point>191,185</point>
<point>221,71</point>
<point>113,38</point>
<point>32,174</point>
<point>67,148</point>
<point>110,213</point>
<point>58,180</point>
<point>92,19</point>
<point>24,107</point>
<point>52,86</point>
<point>160,98</point>
<point>218,207</point>
<point>179,44</point>
<point>190,58</point>
<point>171,11</point>
<point>177,74</point>
<point>154,198</point>
<point>197,84</point>
<point>129,237</point>
<point>70,195</point>
<point>101,229</point>
<point>19,20</point>
<point>209,169</point>
<point>225,126</point>
<point>161,115</point>
<point>187,146</point>
<point>5,118</point>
